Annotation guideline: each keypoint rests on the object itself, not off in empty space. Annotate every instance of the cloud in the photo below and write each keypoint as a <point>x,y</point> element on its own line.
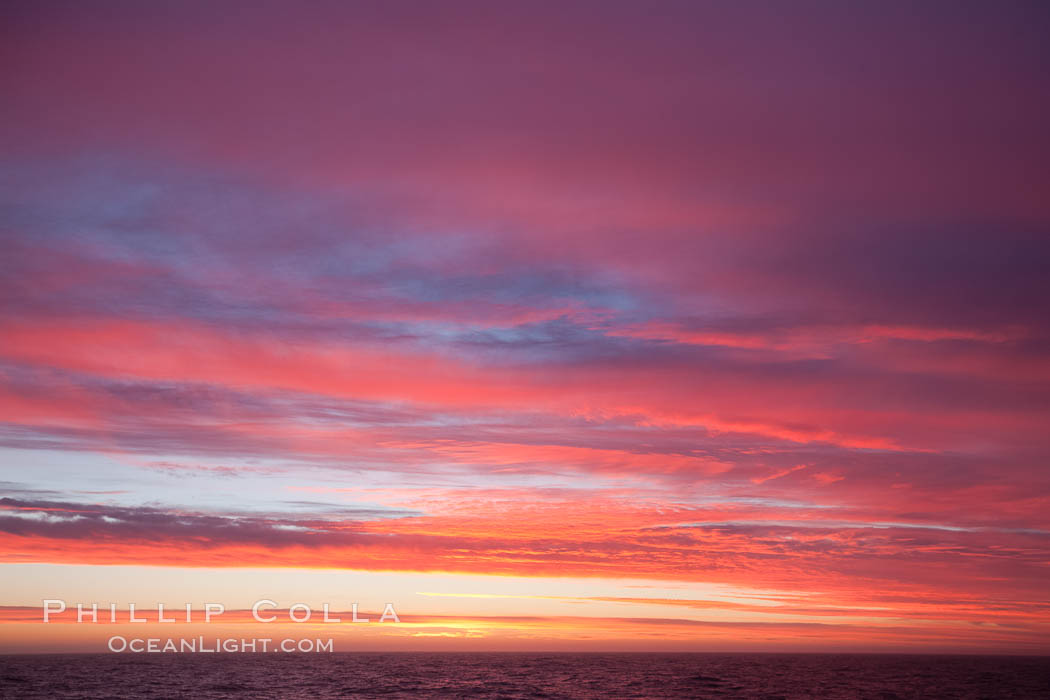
<point>700,293</point>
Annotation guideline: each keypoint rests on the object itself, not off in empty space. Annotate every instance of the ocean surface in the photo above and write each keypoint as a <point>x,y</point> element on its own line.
<point>505,675</point>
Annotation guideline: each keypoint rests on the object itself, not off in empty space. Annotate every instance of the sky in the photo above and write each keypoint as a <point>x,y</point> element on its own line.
<point>557,325</point>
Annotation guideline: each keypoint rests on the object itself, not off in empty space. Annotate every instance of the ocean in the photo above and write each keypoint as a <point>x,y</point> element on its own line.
<point>522,675</point>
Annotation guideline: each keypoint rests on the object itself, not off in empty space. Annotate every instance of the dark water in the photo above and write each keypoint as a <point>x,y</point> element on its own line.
<point>522,676</point>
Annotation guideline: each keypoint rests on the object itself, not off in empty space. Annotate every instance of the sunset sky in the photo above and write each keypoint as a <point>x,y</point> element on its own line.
<point>557,325</point>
